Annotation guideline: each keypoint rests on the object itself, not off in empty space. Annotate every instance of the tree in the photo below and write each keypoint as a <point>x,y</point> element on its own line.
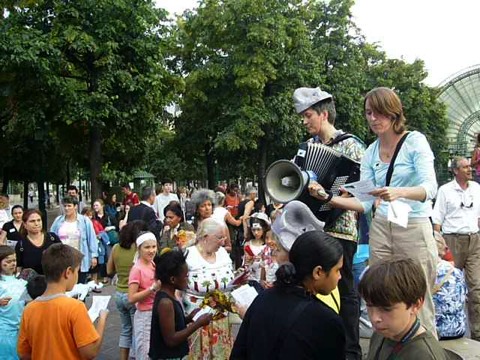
<point>242,60</point>
<point>104,62</point>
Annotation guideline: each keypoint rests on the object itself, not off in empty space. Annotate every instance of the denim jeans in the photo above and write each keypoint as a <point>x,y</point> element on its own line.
<point>126,311</point>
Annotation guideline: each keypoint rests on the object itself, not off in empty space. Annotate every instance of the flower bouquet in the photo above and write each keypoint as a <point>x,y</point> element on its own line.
<point>185,239</point>
<point>220,302</point>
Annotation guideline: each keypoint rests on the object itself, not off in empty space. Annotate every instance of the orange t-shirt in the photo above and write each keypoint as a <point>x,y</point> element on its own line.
<point>55,329</point>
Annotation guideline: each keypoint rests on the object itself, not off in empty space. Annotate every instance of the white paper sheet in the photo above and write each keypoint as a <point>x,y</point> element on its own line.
<point>79,291</point>
<point>204,310</point>
<point>244,295</point>
<point>99,303</point>
<point>398,212</point>
<point>360,189</point>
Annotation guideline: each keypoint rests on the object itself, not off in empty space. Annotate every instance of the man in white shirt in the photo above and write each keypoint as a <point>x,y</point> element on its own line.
<point>164,198</point>
<point>456,214</point>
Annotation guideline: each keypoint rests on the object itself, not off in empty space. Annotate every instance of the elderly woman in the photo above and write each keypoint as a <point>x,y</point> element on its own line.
<point>400,166</point>
<point>174,223</point>
<point>209,268</point>
<point>204,200</point>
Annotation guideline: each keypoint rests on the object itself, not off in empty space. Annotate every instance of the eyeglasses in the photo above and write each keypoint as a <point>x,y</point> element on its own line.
<point>462,205</point>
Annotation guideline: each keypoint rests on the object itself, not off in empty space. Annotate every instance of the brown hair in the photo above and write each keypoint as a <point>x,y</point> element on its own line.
<point>25,216</point>
<point>5,251</point>
<point>326,105</point>
<point>393,281</point>
<point>57,258</point>
<point>386,102</point>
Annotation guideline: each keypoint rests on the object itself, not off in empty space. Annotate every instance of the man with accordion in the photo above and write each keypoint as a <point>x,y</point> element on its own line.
<point>317,109</point>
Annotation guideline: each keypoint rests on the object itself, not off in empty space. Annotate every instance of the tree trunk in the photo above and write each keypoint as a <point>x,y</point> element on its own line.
<point>41,200</point>
<point>210,166</point>
<point>25,194</point>
<point>68,173</point>
<point>96,162</point>
<point>48,194</point>
<point>57,193</point>
<point>5,180</point>
<point>262,164</point>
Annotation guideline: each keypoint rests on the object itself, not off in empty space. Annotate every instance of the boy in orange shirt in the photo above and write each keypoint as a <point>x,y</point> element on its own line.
<point>55,326</point>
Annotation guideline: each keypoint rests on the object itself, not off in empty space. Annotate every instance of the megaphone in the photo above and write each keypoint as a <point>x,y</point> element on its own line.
<point>285,181</point>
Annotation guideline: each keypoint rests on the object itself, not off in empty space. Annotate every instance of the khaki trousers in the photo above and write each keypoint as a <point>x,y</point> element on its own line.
<point>415,242</point>
<point>466,254</point>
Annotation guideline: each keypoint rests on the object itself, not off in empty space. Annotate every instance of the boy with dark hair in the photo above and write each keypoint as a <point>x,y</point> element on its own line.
<point>36,286</point>
<point>394,291</point>
<point>55,326</point>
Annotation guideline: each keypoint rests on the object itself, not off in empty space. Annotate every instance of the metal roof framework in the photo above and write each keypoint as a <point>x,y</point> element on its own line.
<point>461,94</point>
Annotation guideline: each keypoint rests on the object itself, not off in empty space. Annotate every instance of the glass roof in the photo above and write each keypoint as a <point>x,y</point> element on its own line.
<point>461,94</point>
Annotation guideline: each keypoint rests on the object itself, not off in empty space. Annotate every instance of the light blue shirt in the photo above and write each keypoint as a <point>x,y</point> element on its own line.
<point>11,314</point>
<point>413,167</point>
<point>88,240</point>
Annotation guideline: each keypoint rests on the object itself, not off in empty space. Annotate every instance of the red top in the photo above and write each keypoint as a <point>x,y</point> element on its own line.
<point>231,203</point>
<point>131,199</point>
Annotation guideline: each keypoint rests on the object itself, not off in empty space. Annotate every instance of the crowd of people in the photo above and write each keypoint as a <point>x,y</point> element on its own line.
<point>176,258</point>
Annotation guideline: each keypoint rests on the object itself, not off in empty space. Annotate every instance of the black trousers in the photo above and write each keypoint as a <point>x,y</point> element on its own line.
<point>350,307</point>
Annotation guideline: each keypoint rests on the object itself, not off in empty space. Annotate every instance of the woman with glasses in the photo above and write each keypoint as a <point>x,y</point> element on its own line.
<point>209,268</point>
<point>400,166</point>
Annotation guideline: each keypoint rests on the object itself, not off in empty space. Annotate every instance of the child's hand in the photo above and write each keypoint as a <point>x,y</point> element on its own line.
<point>205,319</point>
<point>103,314</point>
<point>4,301</point>
<point>156,285</point>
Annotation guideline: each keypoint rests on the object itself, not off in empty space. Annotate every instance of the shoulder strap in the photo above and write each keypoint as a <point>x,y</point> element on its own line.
<point>394,157</point>
<point>339,138</point>
<point>286,330</point>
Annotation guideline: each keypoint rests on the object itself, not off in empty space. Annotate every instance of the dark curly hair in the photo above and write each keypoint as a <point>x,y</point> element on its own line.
<point>129,233</point>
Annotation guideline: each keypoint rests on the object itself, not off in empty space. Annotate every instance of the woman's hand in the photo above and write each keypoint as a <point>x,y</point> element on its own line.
<point>4,301</point>
<point>388,193</point>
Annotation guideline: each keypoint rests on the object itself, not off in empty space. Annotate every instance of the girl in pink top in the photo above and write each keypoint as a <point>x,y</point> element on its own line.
<point>141,291</point>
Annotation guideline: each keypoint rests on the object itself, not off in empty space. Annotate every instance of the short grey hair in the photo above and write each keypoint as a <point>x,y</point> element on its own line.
<point>202,195</point>
<point>455,161</point>
<point>251,189</point>
<point>207,227</point>
<point>219,198</point>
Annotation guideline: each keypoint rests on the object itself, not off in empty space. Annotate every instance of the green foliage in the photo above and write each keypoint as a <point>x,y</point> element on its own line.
<point>88,72</point>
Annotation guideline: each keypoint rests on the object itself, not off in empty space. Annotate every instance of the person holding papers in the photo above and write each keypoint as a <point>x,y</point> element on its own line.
<point>400,166</point>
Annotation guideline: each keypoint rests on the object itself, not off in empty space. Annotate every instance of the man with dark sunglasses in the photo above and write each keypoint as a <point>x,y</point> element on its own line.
<point>456,214</point>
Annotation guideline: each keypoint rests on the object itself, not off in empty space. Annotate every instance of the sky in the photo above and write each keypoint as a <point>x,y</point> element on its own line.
<point>441,33</point>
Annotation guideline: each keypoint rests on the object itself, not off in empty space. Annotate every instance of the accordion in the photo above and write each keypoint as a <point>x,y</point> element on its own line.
<point>332,169</point>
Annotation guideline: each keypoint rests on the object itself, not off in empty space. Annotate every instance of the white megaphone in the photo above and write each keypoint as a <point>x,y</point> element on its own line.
<point>285,181</point>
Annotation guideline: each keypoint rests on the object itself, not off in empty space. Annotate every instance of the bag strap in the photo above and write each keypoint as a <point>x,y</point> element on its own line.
<point>286,330</point>
<point>394,157</point>
<point>437,287</point>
